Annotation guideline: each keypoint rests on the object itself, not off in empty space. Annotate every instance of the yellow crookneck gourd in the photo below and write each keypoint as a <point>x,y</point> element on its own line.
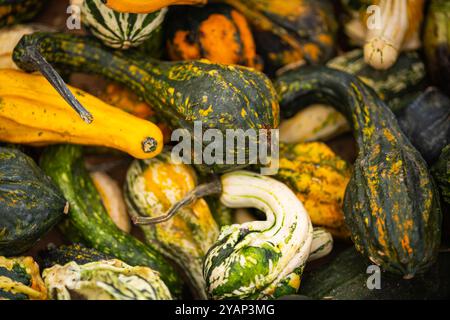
<point>319,179</point>
<point>32,112</point>
<point>147,6</point>
<point>385,28</point>
<point>152,187</point>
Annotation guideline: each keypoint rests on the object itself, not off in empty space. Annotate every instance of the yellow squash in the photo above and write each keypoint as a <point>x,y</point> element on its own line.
<point>319,179</point>
<point>32,112</point>
<point>147,6</point>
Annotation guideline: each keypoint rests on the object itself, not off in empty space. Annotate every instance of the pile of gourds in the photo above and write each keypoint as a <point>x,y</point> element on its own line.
<point>96,168</point>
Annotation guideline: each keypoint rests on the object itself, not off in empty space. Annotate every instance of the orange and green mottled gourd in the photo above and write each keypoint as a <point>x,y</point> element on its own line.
<point>319,179</point>
<point>45,118</point>
<point>391,203</point>
<point>288,31</point>
<point>216,32</point>
<point>152,187</point>
<point>146,6</point>
<point>15,11</point>
<point>20,279</point>
<point>183,93</point>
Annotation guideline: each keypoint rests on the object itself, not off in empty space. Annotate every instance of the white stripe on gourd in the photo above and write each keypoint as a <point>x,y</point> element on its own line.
<point>287,232</point>
<point>115,29</point>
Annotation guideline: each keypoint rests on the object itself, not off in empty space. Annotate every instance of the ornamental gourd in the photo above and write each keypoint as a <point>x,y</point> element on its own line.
<point>216,32</point>
<point>385,29</point>
<point>146,6</point>
<point>319,178</point>
<point>217,96</point>
<point>88,220</point>
<point>290,30</point>
<point>30,203</point>
<point>120,30</point>
<point>397,86</point>
<point>441,172</point>
<point>15,11</point>
<point>20,279</point>
<point>45,118</point>
<point>436,43</point>
<point>153,187</point>
<point>391,204</point>
<point>104,280</point>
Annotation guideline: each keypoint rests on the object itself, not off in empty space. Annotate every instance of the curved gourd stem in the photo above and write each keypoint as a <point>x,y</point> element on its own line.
<point>200,191</point>
<point>37,62</point>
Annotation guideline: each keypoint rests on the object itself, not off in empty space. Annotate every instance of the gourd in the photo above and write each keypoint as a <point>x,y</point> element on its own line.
<point>104,280</point>
<point>319,178</point>
<point>64,254</point>
<point>259,259</point>
<point>119,30</point>
<point>88,220</point>
<point>397,86</point>
<point>20,279</point>
<point>152,187</point>
<point>290,30</point>
<point>426,122</point>
<point>385,28</point>
<point>145,6</point>
<point>441,172</point>
<point>391,204</point>
<point>219,96</point>
<point>216,32</point>
<point>112,199</point>
<point>45,118</point>
<point>436,43</point>
<point>9,37</point>
<point>30,203</point>
<point>15,11</point>
<point>346,278</point>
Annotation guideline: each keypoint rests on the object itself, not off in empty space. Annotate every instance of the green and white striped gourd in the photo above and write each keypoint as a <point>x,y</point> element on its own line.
<point>259,259</point>
<point>321,245</point>
<point>119,30</point>
<point>104,280</point>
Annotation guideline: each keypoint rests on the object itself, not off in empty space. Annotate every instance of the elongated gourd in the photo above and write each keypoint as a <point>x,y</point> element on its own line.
<point>20,279</point>
<point>152,187</point>
<point>45,118</point>
<point>385,28</point>
<point>104,280</point>
<point>88,220</point>
<point>391,204</point>
<point>217,96</point>
<point>319,178</point>
<point>259,259</point>
<point>288,31</point>
<point>146,6</point>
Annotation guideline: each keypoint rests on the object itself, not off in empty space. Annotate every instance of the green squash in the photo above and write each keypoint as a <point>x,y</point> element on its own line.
<point>15,11</point>
<point>20,279</point>
<point>89,223</point>
<point>391,203</point>
<point>441,172</point>
<point>152,187</point>
<point>120,30</point>
<point>183,93</point>
<point>347,276</point>
<point>104,280</point>
<point>30,203</point>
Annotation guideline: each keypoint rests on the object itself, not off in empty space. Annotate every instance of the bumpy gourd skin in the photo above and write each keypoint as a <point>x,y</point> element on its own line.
<point>88,220</point>
<point>259,259</point>
<point>391,203</point>
<point>220,96</point>
<point>30,203</point>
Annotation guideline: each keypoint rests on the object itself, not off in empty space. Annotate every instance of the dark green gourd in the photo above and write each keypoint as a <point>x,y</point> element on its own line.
<point>30,203</point>
<point>88,220</point>
<point>391,204</point>
<point>218,96</point>
<point>441,172</point>
<point>15,11</point>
